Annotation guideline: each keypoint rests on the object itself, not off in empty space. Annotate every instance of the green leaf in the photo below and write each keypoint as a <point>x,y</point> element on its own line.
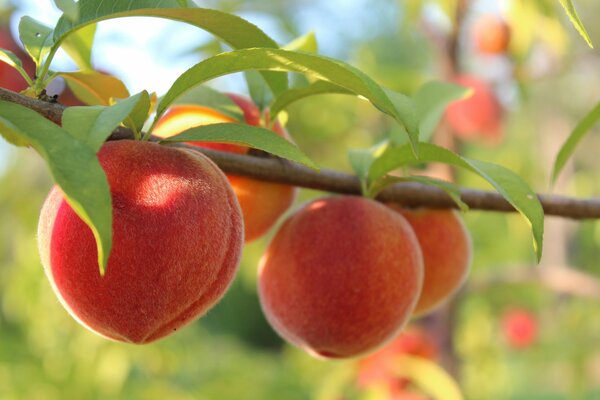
<point>361,160</point>
<point>73,166</point>
<point>306,43</point>
<point>208,97</point>
<point>259,92</point>
<point>567,149</point>
<point>140,112</point>
<point>427,376</point>
<point>510,185</point>
<point>431,101</point>
<point>95,88</point>
<point>78,46</point>
<point>292,95</point>
<point>36,37</point>
<point>233,30</point>
<point>246,135</point>
<point>70,8</point>
<point>11,59</point>
<point>319,67</point>
<point>572,13</point>
<point>92,125</point>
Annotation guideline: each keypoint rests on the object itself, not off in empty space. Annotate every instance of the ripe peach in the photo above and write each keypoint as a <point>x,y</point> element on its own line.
<point>9,78</point>
<point>520,328</point>
<point>377,369</point>
<point>341,276</point>
<point>491,34</point>
<point>476,117</point>
<point>262,202</point>
<point>177,240</point>
<point>446,246</point>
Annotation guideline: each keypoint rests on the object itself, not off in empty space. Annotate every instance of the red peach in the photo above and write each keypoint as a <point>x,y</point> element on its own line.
<point>491,34</point>
<point>177,240</point>
<point>478,116</point>
<point>446,246</point>
<point>341,276</point>
<point>377,369</point>
<point>262,202</point>
<point>520,328</point>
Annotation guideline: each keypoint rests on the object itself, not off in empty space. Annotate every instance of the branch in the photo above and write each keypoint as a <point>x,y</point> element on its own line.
<point>277,170</point>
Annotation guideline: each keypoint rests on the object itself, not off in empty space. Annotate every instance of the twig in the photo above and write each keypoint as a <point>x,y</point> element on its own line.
<point>278,170</point>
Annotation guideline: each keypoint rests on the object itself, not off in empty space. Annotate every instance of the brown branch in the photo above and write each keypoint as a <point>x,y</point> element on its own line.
<point>278,170</point>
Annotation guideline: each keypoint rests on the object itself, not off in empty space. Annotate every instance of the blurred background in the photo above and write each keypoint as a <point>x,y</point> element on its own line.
<point>516,331</point>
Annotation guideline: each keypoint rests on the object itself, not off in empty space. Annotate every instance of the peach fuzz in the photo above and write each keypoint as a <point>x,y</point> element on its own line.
<point>447,251</point>
<point>177,241</point>
<point>341,277</point>
<point>478,116</point>
<point>262,202</point>
<point>491,35</point>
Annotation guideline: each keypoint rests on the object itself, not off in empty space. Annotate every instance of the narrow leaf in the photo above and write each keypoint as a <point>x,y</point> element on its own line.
<point>73,166</point>
<point>510,185</point>
<point>140,112</point>
<point>431,100</point>
<point>92,125</point>
<point>292,95</point>
<point>306,43</point>
<point>233,30</point>
<point>11,59</point>
<point>70,8</point>
<point>78,46</point>
<point>572,13</point>
<point>36,37</point>
<point>206,96</point>
<point>247,135</point>
<point>95,88</point>
<point>319,67</point>
<point>567,149</point>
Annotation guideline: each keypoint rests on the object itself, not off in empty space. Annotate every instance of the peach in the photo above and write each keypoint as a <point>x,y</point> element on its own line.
<point>177,241</point>
<point>341,276</point>
<point>9,77</point>
<point>491,35</point>
<point>447,250</point>
<point>520,328</point>
<point>476,117</point>
<point>377,368</point>
<point>262,202</point>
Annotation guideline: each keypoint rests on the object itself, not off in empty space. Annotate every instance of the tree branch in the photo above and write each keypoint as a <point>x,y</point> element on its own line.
<point>277,170</point>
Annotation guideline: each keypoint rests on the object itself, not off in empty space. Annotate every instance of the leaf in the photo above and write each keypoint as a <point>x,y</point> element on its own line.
<point>235,31</point>
<point>572,13</point>
<point>78,46</point>
<point>427,376</point>
<point>259,91</point>
<point>95,88</point>
<point>510,185</point>
<point>36,37</point>
<point>73,166</point>
<point>69,7</point>
<point>431,101</point>
<point>292,95</point>
<point>306,43</point>
<point>567,149</point>
<point>247,135</point>
<point>11,59</point>
<point>319,67</point>
<point>361,160</point>
<point>205,96</point>
<point>140,112</point>
<point>92,125</point>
